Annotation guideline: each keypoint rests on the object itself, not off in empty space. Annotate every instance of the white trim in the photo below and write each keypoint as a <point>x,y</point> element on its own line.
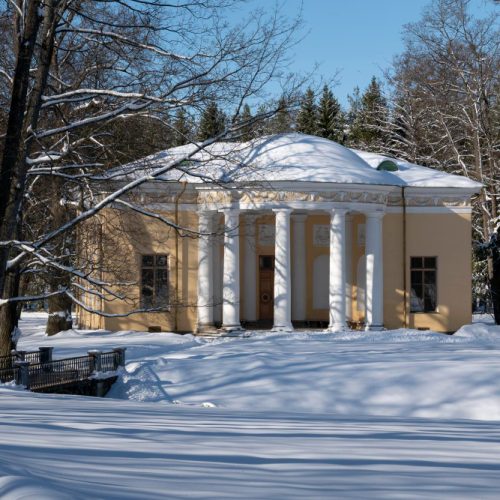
<point>298,186</point>
<point>312,207</point>
<point>325,206</point>
<point>433,192</point>
<point>430,210</point>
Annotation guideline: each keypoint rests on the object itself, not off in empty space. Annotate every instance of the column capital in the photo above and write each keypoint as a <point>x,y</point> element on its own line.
<point>282,210</point>
<point>375,214</point>
<point>339,211</point>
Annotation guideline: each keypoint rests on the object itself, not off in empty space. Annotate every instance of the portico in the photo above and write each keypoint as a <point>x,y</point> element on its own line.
<point>284,239</point>
<point>286,231</point>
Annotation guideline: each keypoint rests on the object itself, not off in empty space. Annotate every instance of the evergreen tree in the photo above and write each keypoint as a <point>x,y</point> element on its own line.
<point>282,121</point>
<point>307,117</point>
<point>212,123</point>
<point>247,132</point>
<point>330,117</point>
<point>184,128</point>
<point>369,117</point>
<point>353,114</point>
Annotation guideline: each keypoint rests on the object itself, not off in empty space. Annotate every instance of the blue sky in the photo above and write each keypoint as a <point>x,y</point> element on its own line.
<point>357,37</point>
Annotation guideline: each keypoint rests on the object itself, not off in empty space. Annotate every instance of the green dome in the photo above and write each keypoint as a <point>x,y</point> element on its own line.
<point>388,166</point>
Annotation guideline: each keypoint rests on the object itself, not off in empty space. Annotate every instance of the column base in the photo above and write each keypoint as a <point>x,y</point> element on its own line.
<point>374,328</point>
<point>206,328</point>
<point>336,328</point>
<point>282,328</point>
<point>232,330</point>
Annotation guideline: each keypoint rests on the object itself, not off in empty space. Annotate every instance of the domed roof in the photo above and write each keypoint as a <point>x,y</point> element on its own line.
<point>305,158</point>
<point>275,158</point>
<point>282,158</point>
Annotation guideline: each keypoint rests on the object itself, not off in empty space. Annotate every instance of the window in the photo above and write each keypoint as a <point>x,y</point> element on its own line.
<point>423,284</point>
<point>266,262</point>
<point>154,281</point>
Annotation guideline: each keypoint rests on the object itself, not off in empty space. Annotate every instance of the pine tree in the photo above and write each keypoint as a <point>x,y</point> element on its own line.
<point>212,122</point>
<point>330,117</point>
<point>281,122</point>
<point>307,117</point>
<point>247,132</point>
<point>184,128</point>
<point>368,118</point>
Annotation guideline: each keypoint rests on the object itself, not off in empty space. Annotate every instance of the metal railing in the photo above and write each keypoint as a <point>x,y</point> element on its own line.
<point>44,372</point>
<point>10,360</point>
<point>59,372</point>
<point>8,374</point>
<point>110,361</point>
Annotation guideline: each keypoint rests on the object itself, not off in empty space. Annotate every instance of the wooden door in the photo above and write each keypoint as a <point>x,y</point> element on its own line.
<point>266,287</point>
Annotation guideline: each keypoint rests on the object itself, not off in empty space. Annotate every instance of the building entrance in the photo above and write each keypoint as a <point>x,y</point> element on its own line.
<point>266,287</point>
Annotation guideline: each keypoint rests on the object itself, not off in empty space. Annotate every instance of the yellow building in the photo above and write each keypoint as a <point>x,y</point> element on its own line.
<point>287,231</point>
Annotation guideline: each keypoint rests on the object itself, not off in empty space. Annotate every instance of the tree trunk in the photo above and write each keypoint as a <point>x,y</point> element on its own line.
<point>60,304</point>
<point>9,316</point>
<point>23,118</point>
<point>13,149</point>
<point>59,314</point>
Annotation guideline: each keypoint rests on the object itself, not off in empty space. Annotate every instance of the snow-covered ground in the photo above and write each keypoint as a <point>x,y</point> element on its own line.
<point>311,415</point>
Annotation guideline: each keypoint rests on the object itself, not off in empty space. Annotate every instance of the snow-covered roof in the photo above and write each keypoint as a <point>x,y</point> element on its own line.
<point>290,157</point>
<point>417,176</point>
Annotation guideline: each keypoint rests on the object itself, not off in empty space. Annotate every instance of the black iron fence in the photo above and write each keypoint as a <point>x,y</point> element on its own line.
<point>62,371</point>
<point>10,360</point>
<point>8,374</point>
<point>38,371</point>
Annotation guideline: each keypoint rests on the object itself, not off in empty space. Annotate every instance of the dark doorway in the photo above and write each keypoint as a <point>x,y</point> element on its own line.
<point>266,287</point>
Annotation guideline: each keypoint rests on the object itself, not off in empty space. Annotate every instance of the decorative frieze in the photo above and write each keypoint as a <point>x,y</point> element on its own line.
<point>261,196</point>
<point>255,196</point>
<point>396,200</point>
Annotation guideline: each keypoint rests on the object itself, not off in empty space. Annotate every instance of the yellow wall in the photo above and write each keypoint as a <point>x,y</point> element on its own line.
<point>445,236</point>
<point>259,250</point>
<point>128,236</point>
<point>448,237</point>
<point>312,252</point>
<point>358,251</point>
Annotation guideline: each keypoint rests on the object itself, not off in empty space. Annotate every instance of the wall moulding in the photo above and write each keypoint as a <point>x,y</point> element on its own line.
<point>262,196</point>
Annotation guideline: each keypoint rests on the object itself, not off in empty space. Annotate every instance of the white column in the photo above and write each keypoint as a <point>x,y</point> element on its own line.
<point>282,292</point>
<point>337,271</point>
<point>217,250</point>
<point>374,272</point>
<point>299,267</point>
<point>348,267</point>
<point>231,274</point>
<point>205,276</point>
<point>250,270</point>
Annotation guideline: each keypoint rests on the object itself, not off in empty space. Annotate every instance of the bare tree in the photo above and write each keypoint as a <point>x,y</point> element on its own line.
<point>445,108</point>
<point>72,70</point>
